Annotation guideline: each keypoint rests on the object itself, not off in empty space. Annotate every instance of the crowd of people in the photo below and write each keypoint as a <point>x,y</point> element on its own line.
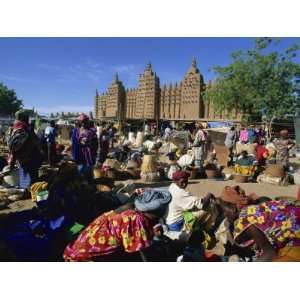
<point>76,219</point>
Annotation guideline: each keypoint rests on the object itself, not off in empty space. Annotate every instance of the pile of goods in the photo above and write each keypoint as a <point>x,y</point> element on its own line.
<point>8,195</point>
<point>274,174</point>
<point>149,171</point>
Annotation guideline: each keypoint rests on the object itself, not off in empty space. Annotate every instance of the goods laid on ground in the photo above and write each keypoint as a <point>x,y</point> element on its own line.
<point>265,178</point>
<point>149,169</point>
<point>275,171</point>
<point>8,195</point>
<point>10,177</point>
<point>186,160</point>
<point>228,173</point>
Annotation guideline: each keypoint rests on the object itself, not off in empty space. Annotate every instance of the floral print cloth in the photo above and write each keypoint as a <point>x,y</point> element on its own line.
<point>130,231</point>
<point>279,220</point>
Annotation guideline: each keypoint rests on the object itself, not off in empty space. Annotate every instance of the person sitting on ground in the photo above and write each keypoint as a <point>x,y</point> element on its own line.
<point>124,230</point>
<point>182,201</point>
<point>245,164</point>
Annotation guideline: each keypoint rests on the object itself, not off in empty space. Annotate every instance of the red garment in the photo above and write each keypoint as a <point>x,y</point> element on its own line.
<point>129,230</point>
<point>261,154</point>
<point>19,125</point>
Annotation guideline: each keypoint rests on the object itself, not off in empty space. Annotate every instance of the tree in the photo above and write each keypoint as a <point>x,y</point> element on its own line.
<point>9,102</point>
<point>260,82</point>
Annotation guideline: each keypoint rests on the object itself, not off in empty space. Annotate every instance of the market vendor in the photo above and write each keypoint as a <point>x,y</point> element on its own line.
<point>182,201</point>
<point>123,230</point>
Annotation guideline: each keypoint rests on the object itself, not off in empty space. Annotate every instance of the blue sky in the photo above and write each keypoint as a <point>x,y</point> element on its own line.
<point>62,74</point>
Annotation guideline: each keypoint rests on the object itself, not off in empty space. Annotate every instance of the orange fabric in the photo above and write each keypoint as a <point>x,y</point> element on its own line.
<point>236,195</point>
<point>288,254</point>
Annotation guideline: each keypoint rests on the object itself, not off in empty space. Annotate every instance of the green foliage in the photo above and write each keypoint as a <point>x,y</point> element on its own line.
<point>258,82</point>
<point>9,102</point>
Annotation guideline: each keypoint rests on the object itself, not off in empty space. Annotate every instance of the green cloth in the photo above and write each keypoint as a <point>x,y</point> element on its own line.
<point>74,231</point>
<point>190,221</point>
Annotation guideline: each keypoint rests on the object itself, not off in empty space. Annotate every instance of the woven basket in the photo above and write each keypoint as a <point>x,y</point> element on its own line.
<point>149,164</point>
<point>275,171</point>
<point>241,178</point>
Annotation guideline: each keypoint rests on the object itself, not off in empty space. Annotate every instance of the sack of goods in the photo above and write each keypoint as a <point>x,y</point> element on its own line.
<point>275,171</point>
<point>265,178</point>
<point>250,148</point>
<point>139,139</point>
<point>149,169</point>
<point>131,137</point>
<point>186,160</point>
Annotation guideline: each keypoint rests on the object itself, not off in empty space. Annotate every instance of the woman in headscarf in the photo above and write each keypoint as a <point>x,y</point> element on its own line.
<point>123,230</point>
<point>25,149</point>
<point>87,147</point>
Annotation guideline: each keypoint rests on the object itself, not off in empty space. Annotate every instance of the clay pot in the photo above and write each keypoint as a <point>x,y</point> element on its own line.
<point>241,178</point>
<point>211,174</point>
<point>193,173</point>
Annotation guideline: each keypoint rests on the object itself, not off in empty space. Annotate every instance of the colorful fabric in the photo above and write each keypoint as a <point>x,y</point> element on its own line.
<point>87,153</point>
<point>261,154</point>
<point>282,147</point>
<point>279,220</point>
<point>244,136</point>
<point>245,170</point>
<point>36,188</point>
<point>130,231</point>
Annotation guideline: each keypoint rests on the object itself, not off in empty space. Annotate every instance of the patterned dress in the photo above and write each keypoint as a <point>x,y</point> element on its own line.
<point>282,147</point>
<point>279,220</point>
<point>130,231</point>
